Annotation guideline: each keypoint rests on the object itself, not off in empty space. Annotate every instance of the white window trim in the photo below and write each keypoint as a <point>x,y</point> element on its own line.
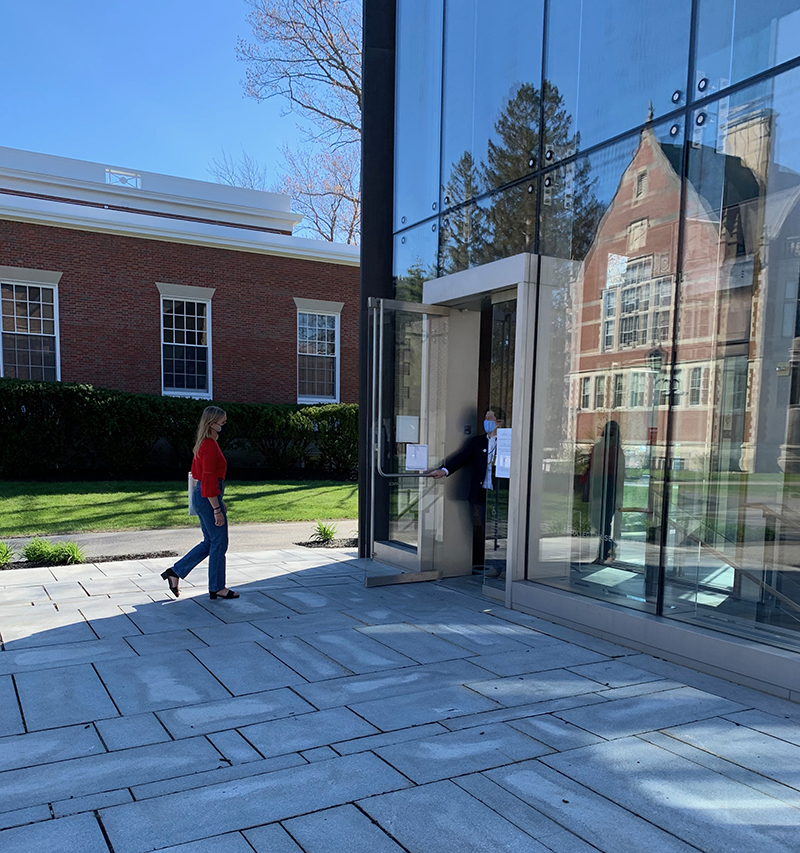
<point>190,294</point>
<point>319,306</point>
<point>35,278</point>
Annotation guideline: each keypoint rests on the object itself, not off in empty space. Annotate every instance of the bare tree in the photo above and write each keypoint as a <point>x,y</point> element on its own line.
<point>243,171</point>
<point>308,52</point>
<point>324,185</point>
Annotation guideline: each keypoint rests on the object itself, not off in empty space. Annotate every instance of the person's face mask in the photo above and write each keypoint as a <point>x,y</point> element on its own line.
<point>488,426</point>
<point>220,428</point>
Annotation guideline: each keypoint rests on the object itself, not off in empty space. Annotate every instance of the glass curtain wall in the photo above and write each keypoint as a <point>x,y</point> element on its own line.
<point>659,185</point>
<point>734,499</point>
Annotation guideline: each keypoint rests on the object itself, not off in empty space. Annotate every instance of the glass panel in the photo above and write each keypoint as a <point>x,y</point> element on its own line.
<point>600,405</point>
<point>497,226</point>
<point>414,260</point>
<point>501,400</point>
<point>734,494</point>
<point>739,38</point>
<point>642,47</point>
<point>418,101</point>
<point>316,376</point>
<point>492,74</point>
<point>414,386</point>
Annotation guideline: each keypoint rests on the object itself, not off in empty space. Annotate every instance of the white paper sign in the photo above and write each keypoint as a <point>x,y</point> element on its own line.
<point>502,462</point>
<point>407,429</point>
<point>416,457</point>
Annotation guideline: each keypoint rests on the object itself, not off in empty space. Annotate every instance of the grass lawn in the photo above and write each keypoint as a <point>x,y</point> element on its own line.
<point>47,508</point>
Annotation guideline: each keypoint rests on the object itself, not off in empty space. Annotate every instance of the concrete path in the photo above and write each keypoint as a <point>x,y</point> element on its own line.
<point>243,537</point>
<point>313,714</point>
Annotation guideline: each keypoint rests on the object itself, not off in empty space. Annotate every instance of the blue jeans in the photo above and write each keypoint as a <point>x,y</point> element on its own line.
<point>213,546</point>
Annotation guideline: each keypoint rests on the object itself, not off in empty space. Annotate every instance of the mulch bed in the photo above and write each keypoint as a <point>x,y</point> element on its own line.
<point>113,558</point>
<point>334,543</point>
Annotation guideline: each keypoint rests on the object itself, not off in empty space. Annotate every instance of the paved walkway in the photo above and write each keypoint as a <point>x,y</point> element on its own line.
<point>244,538</point>
<point>313,714</point>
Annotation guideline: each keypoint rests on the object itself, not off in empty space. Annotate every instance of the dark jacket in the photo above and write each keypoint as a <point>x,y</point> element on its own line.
<point>473,453</point>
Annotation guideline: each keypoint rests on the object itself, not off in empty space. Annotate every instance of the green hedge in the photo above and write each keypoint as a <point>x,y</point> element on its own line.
<point>60,427</point>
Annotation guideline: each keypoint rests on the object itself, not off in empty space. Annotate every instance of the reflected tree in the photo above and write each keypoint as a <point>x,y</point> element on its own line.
<point>505,222</point>
<point>465,231</point>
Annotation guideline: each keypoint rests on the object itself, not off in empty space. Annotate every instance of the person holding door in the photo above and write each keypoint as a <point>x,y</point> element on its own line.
<point>479,453</point>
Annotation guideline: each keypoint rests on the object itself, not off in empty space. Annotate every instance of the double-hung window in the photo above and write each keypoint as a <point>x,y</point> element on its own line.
<point>318,350</point>
<point>30,324</point>
<point>186,340</point>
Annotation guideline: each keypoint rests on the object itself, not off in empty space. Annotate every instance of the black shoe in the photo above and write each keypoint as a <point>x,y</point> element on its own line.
<point>229,594</point>
<point>168,575</point>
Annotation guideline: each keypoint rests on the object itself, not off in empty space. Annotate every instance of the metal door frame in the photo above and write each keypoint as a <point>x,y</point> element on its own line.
<point>378,306</point>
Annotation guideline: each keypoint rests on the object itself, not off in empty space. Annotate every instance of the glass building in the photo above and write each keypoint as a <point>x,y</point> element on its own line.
<point>584,215</point>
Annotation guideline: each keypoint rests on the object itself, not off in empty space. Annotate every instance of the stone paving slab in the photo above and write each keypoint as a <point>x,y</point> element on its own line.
<point>223,773</point>
<point>587,813</point>
<point>155,682</point>
<point>523,689</point>
<point>413,642</point>
<point>400,712</point>
<point>233,712</point>
<point>132,730</point>
<point>357,652</point>
<point>750,778</point>
<point>271,839</point>
<point>536,824</point>
<point>28,750</point>
<point>419,717</point>
<point>744,746</point>
<point>63,696</point>
<point>442,756</point>
<point>247,668</point>
<point>48,783</point>
<point>81,832</point>
<point>538,659</point>
<point>304,659</point>
<point>341,828</point>
<point>10,716</point>
<point>307,731</point>
<point>445,818</point>
<point>705,809</point>
<point>372,742</point>
<point>244,803</point>
<point>622,717</point>
<point>41,626</point>
<point>22,817</point>
<point>63,655</point>
<point>384,685</point>
<point>231,842</point>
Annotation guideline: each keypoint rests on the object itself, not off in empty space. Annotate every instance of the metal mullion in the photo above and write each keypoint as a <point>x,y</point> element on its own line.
<point>667,482</point>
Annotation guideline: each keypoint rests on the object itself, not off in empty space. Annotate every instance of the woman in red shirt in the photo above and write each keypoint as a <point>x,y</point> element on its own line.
<point>209,468</point>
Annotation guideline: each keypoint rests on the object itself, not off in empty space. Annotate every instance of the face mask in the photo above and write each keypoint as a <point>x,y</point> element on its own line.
<point>488,426</point>
<point>221,428</point>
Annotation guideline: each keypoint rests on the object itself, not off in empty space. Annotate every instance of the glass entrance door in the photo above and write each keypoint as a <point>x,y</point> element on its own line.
<point>409,375</point>
<point>501,402</point>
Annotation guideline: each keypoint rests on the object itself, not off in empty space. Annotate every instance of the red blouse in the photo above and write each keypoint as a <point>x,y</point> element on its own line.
<point>209,467</point>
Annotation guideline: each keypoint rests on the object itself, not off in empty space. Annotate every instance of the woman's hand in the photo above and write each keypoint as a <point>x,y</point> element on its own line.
<point>219,515</point>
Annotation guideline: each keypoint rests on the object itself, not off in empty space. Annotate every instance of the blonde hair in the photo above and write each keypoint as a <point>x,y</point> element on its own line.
<point>209,416</point>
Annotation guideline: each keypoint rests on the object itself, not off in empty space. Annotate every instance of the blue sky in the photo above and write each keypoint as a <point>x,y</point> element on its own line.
<point>152,85</point>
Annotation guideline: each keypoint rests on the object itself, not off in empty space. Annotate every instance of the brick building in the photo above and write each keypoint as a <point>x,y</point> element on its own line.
<point>161,285</point>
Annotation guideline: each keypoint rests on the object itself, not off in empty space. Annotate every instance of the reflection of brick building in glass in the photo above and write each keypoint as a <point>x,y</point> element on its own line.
<point>726,358</point>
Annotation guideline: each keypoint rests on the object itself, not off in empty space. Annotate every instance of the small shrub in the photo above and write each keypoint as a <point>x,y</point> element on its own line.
<point>6,554</point>
<point>55,554</point>
<point>37,550</point>
<point>67,553</point>
<point>324,532</point>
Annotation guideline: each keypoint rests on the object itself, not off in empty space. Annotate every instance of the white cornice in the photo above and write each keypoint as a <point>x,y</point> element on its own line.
<point>85,218</point>
<point>172,205</point>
